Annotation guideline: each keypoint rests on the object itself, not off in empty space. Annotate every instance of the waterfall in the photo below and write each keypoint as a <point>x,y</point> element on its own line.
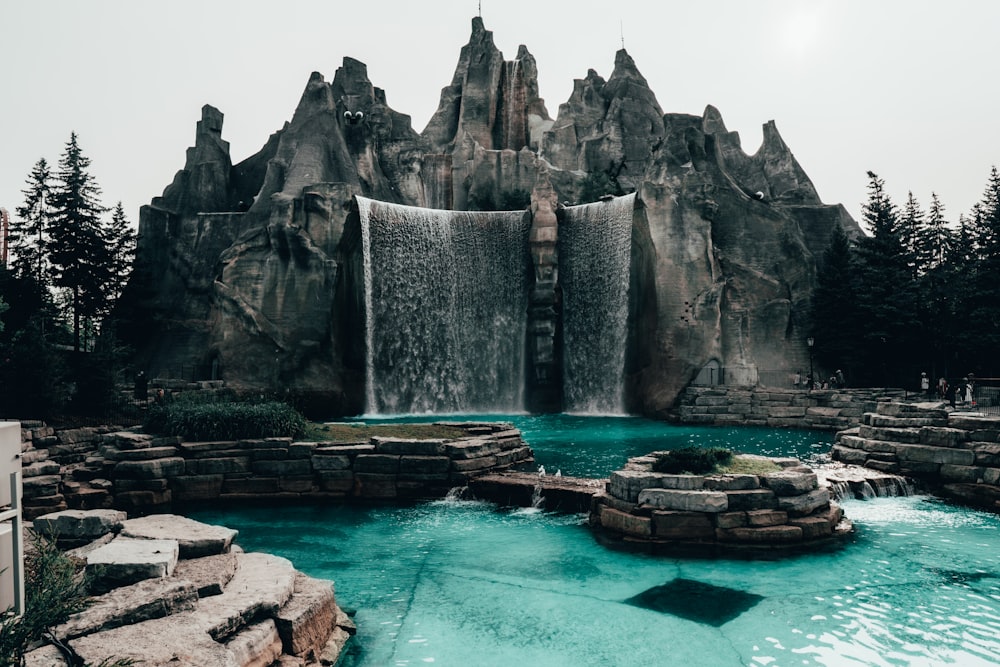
<point>847,482</point>
<point>445,309</point>
<point>595,244</point>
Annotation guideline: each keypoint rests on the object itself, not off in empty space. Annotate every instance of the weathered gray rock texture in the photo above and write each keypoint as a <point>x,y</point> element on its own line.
<point>239,273</point>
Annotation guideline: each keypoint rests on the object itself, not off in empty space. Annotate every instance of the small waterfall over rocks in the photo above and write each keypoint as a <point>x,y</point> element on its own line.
<point>446,295</point>
<point>848,482</point>
<point>595,244</point>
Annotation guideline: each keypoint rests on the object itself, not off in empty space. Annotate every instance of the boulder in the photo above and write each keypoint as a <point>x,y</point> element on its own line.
<point>193,537</point>
<point>179,641</point>
<point>627,484</point>
<point>79,525</point>
<point>788,483</point>
<point>690,501</point>
<point>805,503</point>
<point>127,605</point>
<point>209,574</point>
<point>125,561</point>
<point>261,586</point>
<point>307,619</point>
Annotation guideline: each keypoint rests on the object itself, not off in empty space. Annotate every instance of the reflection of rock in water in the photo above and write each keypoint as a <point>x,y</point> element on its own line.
<point>696,601</point>
<point>594,252</point>
<point>446,308</point>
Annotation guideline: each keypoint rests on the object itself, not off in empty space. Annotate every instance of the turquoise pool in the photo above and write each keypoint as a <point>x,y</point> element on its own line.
<point>465,583</point>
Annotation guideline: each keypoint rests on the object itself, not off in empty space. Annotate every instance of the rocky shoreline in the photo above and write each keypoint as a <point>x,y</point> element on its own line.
<point>172,591</point>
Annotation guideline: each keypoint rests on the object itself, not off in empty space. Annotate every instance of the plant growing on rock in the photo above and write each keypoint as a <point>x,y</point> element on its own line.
<point>225,420</point>
<point>692,460</point>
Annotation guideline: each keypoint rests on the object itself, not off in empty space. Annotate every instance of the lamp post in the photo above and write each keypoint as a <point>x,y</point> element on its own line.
<point>810,342</point>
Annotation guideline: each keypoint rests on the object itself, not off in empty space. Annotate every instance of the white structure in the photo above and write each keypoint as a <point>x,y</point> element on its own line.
<point>11,535</point>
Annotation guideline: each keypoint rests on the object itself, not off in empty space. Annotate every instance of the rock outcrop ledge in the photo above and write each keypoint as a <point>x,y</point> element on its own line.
<point>741,514</point>
<point>176,592</point>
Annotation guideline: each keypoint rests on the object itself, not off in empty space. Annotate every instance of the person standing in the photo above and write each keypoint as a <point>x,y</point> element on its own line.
<point>942,388</point>
<point>925,385</point>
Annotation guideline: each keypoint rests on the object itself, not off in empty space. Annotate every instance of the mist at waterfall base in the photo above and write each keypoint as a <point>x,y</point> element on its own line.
<point>468,583</point>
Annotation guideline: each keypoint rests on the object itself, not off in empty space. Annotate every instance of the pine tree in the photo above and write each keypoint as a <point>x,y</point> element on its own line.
<point>28,230</point>
<point>911,228</point>
<point>121,242</point>
<point>983,311</point>
<point>890,334</point>
<point>936,238</point>
<point>834,313</point>
<point>78,251</point>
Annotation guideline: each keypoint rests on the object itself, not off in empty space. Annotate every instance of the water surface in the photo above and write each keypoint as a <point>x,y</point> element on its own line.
<point>465,583</point>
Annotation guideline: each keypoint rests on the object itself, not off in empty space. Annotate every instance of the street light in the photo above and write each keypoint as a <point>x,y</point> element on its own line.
<point>810,342</point>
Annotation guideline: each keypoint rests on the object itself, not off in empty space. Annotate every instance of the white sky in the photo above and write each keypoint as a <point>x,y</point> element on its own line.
<point>906,88</point>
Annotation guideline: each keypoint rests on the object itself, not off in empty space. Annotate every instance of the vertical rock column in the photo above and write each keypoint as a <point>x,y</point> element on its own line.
<point>544,359</point>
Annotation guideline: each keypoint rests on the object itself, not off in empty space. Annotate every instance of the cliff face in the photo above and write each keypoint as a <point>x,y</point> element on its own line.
<point>238,266</point>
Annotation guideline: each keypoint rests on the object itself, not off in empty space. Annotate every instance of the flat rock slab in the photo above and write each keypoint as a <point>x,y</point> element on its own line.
<point>146,600</point>
<point>125,561</point>
<point>85,525</point>
<point>261,586</point>
<point>209,574</point>
<point>177,641</point>
<point>195,538</point>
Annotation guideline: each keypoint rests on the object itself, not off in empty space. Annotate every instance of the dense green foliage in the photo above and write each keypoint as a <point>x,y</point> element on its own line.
<point>692,460</point>
<point>225,420</point>
<point>67,267</point>
<point>916,295</point>
<point>54,589</point>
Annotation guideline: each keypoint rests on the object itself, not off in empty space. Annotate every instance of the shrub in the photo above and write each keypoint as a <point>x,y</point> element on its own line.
<point>224,420</point>
<point>53,588</point>
<point>692,460</point>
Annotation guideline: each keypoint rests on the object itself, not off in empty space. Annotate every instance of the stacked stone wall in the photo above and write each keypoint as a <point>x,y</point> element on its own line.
<point>718,513</point>
<point>103,468</point>
<point>825,409</point>
<point>956,454</point>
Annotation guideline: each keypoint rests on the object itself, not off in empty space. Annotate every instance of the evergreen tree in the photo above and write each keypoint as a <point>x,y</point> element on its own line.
<point>935,240</point>
<point>889,335</point>
<point>28,230</point>
<point>911,228</point>
<point>983,303</point>
<point>78,250</point>
<point>121,242</point>
<point>834,314</point>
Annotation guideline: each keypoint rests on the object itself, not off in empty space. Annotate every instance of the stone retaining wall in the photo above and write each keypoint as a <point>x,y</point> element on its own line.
<point>957,454</point>
<point>718,513</point>
<point>101,468</point>
<point>821,409</point>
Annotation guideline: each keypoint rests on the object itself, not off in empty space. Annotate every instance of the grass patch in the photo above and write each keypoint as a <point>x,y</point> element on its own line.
<point>712,461</point>
<point>749,465</point>
<point>692,460</point>
<point>341,432</point>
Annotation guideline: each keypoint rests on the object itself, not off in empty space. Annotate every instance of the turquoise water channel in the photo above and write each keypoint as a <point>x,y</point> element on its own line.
<point>457,583</point>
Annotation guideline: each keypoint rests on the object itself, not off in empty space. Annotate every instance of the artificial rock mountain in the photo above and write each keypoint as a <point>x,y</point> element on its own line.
<point>240,270</point>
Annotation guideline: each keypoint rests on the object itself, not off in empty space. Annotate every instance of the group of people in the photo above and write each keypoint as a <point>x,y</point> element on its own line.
<point>835,381</point>
<point>961,393</point>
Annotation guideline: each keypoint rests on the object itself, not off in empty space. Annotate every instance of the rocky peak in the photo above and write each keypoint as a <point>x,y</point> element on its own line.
<point>627,81</point>
<point>608,127</point>
<point>203,185</point>
<point>492,101</point>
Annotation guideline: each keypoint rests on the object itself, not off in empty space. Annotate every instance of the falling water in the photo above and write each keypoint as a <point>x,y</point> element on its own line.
<point>445,309</point>
<point>594,254</point>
